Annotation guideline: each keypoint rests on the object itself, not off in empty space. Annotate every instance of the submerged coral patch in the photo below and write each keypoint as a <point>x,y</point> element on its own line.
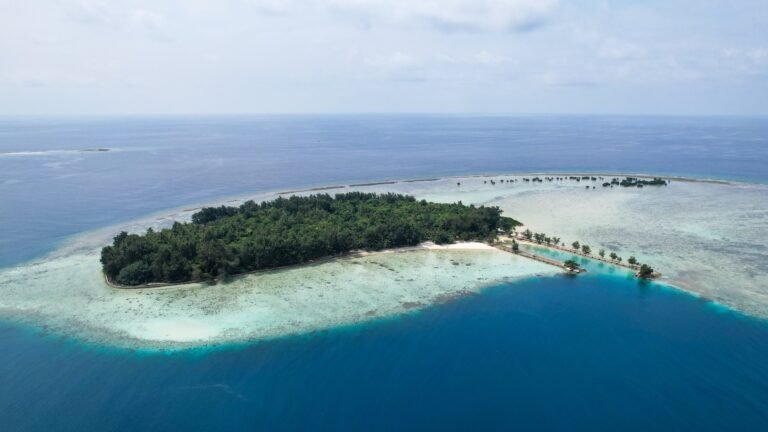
<point>69,296</point>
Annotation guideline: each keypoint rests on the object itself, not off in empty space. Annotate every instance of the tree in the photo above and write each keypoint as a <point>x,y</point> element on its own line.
<point>586,249</point>
<point>601,252</point>
<point>527,234</point>
<point>133,274</point>
<point>571,265</point>
<point>223,241</point>
<point>646,271</point>
<point>614,256</point>
<point>576,245</point>
<point>619,259</point>
<point>632,260</point>
<point>556,240</point>
<point>508,224</point>
<point>515,246</point>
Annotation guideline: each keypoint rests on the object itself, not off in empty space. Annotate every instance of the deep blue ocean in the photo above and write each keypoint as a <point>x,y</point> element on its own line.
<point>600,352</point>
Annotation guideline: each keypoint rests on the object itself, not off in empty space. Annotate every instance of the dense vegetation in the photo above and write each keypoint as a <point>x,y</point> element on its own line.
<point>636,182</point>
<point>222,241</point>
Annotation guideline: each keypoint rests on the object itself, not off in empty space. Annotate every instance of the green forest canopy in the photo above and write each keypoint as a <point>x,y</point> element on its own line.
<point>223,241</point>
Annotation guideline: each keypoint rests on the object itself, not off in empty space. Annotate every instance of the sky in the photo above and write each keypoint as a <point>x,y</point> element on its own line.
<point>98,57</point>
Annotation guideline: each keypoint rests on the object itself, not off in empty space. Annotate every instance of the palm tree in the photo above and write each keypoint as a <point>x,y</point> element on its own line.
<point>614,256</point>
<point>586,249</point>
<point>632,260</point>
<point>576,245</point>
<point>601,252</point>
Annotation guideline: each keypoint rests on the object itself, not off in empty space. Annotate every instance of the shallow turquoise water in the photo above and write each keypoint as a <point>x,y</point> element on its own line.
<point>597,352</point>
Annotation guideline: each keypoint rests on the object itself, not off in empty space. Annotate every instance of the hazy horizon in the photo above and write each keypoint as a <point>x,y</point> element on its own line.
<point>481,57</point>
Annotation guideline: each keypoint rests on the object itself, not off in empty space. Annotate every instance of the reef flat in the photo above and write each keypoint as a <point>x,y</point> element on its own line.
<point>706,237</point>
<point>68,295</point>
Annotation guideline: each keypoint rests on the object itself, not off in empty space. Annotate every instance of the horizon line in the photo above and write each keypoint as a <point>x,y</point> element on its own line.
<point>364,114</point>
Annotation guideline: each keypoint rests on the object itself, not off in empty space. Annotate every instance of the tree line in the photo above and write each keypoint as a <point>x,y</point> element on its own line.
<point>224,241</point>
<point>644,270</point>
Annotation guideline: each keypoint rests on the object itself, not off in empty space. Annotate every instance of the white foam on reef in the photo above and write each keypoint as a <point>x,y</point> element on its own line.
<point>707,238</point>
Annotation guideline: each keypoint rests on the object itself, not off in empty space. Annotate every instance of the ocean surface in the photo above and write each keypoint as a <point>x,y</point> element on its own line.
<point>161,163</point>
<point>601,352</point>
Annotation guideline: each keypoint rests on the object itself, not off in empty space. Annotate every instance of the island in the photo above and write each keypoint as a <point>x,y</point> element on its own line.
<point>220,242</point>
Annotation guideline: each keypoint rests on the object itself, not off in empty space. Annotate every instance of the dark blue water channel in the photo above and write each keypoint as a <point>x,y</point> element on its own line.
<point>598,352</point>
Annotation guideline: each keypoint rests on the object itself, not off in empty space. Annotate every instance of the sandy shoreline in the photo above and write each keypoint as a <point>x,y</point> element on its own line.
<point>353,254</point>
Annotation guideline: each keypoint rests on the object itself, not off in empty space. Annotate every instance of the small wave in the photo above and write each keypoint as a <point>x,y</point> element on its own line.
<point>54,152</point>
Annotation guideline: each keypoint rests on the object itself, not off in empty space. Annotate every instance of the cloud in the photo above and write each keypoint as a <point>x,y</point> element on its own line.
<point>750,61</point>
<point>489,58</point>
<point>756,56</point>
<point>147,20</point>
<point>447,15</point>
<point>98,14</point>
<point>92,12</point>
<point>173,56</point>
<point>396,60</point>
<point>397,66</point>
<point>150,23</point>
<point>614,49</point>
